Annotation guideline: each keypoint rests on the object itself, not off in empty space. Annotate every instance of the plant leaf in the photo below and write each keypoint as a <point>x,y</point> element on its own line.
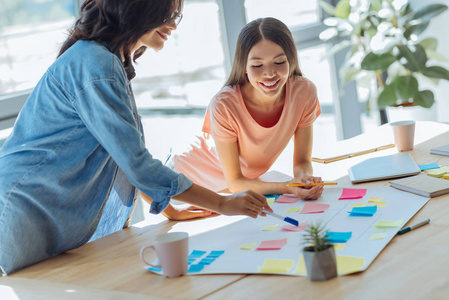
<point>406,87</point>
<point>327,8</point>
<point>436,72</point>
<point>428,12</point>
<point>416,29</point>
<point>415,61</point>
<point>388,96</point>
<point>424,98</point>
<point>343,9</point>
<point>429,43</point>
<point>374,62</point>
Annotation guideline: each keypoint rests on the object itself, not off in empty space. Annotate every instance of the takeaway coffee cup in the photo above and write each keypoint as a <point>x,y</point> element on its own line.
<point>172,252</point>
<point>404,135</point>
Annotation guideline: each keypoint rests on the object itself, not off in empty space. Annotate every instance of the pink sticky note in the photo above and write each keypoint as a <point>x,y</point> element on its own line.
<point>300,227</point>
<point>272,245</point>
<point>287,199</point>
<point>352,194</point>
<point>314,208</point>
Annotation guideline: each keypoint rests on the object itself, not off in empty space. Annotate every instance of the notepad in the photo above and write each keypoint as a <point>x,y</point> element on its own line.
<point>384,167</point>
<point>423,185</point>
<point>442,150</point>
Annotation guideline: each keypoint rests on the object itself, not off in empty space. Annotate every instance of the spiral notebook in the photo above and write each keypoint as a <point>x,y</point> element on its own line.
<point>384,167</point>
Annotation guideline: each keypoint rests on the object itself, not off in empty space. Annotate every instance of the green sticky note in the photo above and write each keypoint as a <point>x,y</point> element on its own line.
<point>294,209</point>
<point>248,246</point>
<point>270,200</point>
<point>388,224</point>
<point>378,236</point>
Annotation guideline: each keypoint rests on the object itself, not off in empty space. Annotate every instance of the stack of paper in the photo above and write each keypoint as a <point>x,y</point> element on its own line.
<point>423,185</point>
<point>443,150</point>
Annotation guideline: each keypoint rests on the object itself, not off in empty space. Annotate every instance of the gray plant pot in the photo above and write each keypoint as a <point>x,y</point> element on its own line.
<point>320,265</point>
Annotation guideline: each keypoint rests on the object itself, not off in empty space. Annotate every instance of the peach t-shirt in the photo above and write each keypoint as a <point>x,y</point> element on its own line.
<point>228,120</point>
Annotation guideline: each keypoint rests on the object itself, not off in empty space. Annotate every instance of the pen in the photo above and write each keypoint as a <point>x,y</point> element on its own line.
<point>414,226</point>
<point>286,219</point>
<point>312,184</point>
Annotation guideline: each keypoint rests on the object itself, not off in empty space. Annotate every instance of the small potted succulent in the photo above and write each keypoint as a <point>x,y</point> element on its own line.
<point>319,255</point>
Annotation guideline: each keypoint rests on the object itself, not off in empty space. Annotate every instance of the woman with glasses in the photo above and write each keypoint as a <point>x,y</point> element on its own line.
<point>75,162</point>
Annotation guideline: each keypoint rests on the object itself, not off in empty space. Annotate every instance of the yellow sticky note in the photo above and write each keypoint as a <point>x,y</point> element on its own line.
<point>388,224</point>
<point>380,204</point>
<point>270,200</point>
<point>339,246</point>
<point>301,268</point>
<point>248,246</point>
<point>378,236</point>
<point>270,228</point>
<point>446,176</point>
<point>359,205</point>
<point>294,209</point>
<point>375,199</point>
<point>349,264</point>
<point>345,265</point>
<point>276,265</point>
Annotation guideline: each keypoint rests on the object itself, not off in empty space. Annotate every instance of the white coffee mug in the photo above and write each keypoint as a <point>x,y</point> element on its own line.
<point>172,251</point>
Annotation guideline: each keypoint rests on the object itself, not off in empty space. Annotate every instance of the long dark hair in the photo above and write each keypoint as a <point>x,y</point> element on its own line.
<point>120,23</point>
<point>270,29</point>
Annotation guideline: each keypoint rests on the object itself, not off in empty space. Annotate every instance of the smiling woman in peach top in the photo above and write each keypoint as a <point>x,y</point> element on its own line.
<point>265,102</point>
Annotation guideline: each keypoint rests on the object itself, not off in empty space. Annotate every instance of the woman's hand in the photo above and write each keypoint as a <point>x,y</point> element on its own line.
<point>245,203</point>
<point>183,212</point>
<point>306,192</point>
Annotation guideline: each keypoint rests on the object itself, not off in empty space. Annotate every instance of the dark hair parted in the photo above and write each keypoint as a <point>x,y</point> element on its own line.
<point>120,23</point>
<point>270,29</point>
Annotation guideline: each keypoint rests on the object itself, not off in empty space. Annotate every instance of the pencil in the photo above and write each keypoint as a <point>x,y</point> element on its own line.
<point>312,184</point>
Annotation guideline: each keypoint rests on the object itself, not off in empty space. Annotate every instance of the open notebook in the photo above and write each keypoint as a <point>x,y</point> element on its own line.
<point>384,167</point>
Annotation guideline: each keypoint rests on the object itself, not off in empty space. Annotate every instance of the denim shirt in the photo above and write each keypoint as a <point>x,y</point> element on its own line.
<point>75,133</point>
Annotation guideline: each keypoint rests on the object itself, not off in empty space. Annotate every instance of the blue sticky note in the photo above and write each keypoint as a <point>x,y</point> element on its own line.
<point>429,166</point>
<point>197,254</point>
<point>207,261</point>
<point>215,253</point>
<point>366,211</point>
<point>195,268</point>
<point>154,269</point>
<point>338,237</point>
<point>191,260</point>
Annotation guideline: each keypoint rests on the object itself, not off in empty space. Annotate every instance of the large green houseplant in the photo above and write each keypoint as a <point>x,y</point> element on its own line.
<point>386,52</point>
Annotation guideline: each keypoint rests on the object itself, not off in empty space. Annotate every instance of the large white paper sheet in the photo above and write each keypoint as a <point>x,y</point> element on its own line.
<point>245,230</point>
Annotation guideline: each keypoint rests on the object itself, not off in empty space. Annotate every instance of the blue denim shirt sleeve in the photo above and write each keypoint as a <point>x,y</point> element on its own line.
<point>104,108</point>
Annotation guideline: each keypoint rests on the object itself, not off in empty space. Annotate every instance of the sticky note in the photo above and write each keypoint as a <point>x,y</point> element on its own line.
<point>154,269</point>
<point>300,227</point>
<point>375,199</point>
<point>428,166</point>
<point>270,228</point>
<point>293,209</point>
<point>215,253</point>
<point>339,246</point>
<point>338,237</point>
<point>206,261</point>
<point>276,265</point>
<point>379,204</point>
<point>195,268</point>
<point>272,244</point>
<point>352,194</point>
<point>438,172</point>
<point>287,199</point>
<point>367,211</point>
<point>446,176</point>
<point>248,246</point>
<point>378,236</point>
<point>196,254</point>
<point>349,264</point>
<point>314,208</point>
<point>359,205</point>
<point>191,260</point>
<point>388,224</point>
<point>270,200</point>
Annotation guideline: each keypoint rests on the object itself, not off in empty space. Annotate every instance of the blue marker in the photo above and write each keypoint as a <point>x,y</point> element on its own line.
<point>286,219</point>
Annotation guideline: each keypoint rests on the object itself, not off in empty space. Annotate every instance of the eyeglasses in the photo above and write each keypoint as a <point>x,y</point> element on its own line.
<point>175,17</point>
